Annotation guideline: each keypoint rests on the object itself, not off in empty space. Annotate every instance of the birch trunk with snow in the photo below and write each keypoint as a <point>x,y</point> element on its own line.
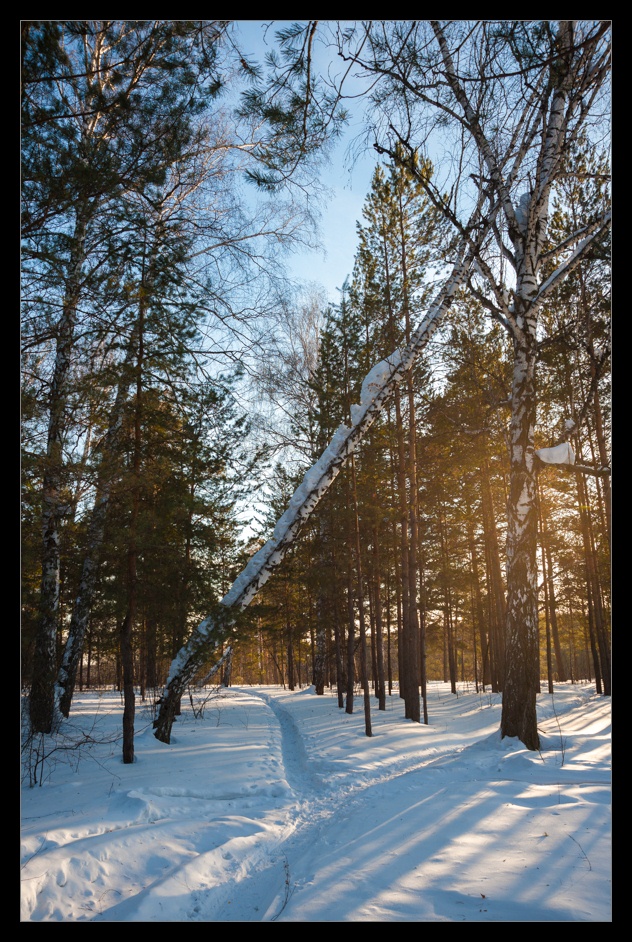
<point>575,72</point>
<point>376,390</point>
<point>527,228</point>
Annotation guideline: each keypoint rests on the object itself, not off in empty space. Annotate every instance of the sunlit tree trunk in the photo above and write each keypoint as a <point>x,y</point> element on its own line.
<point>595,604</point>
<point>364,674</point>
<point>522,674</point>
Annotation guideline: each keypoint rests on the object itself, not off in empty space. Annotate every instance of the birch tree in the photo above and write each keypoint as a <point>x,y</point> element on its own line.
<point>503,101</point>
<point>510,98</point>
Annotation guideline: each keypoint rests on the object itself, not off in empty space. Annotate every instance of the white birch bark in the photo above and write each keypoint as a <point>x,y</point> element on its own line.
<point>522,679</point>
<point>547,123</point>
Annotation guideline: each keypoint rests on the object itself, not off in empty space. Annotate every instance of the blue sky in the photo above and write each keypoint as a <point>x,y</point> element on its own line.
<point>348,181</point>
<point>338,227</point>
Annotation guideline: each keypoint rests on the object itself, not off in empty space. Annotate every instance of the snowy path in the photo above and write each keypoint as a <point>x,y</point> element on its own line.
<point>277,807</point>
<point>302,779</point>
<point>265,890</point>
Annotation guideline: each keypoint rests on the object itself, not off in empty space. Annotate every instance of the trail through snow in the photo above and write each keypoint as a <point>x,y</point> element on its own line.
<point>274,806</point>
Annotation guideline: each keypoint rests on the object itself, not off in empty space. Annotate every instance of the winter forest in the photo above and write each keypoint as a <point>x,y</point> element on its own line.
<point>232,475</point>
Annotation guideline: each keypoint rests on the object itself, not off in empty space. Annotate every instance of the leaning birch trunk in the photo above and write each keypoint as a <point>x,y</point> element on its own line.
<point>376,390</point>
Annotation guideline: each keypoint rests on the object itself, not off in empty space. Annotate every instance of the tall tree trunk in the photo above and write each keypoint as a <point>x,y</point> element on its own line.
<point>560,662</point>
<point>553,635</point>
<point>413,665</point>
<point>320,660</point>
<point>82,607</point>
<point>447,601</point>
<point>389,659</point>
<point>364,676</point>
<point>127,628</point>
<point>478,612</point>
<point>601,438</point>
<point>595,600</point>
<point>289,647</point>
<point>150,653</point>
<point>413,709</point>
<point>496,592</point>
<point>592,635</point>
<point>340,685</point>
<point>42,696</point>
<point>404,558</point>
<point>379,643</point>
<point>522,674</point>
<point>549,659</point>
<point>350,645</point>
<point>422,633</point>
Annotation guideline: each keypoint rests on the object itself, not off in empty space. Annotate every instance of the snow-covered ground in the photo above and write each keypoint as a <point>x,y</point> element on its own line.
<point>275,806</point>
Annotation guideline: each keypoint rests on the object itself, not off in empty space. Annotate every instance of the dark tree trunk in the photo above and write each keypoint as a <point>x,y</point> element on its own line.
<point>479,614</point>
<point>340,684</point>
<point>85,596</point>
<point>595,601</point>
<point>547,621</point>
<point>350,646</point>
<point>379,649</point>
<point>360,598</point>
<point>404,632</point>
<point>560,662</point>
<point>447,602</point>
<point>290,658</point>
<point>496,592</point>
<point>320,660</point>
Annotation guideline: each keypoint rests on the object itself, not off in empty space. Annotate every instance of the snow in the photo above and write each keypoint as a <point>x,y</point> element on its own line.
<point>559,454</point>
<point>378,376</point>
<point>275,806</point>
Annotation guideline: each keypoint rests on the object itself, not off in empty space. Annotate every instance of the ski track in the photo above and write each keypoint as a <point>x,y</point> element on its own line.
<point>324,807</point>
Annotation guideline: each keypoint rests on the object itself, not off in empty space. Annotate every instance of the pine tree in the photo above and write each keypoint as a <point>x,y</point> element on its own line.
<point>95,98</point>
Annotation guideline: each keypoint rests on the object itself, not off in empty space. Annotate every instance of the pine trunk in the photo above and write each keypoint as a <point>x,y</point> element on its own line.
<point>82,607</point>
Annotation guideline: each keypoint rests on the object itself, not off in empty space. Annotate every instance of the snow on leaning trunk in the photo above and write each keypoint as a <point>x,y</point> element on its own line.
<point>376,390</point>
<point>558,454</point>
